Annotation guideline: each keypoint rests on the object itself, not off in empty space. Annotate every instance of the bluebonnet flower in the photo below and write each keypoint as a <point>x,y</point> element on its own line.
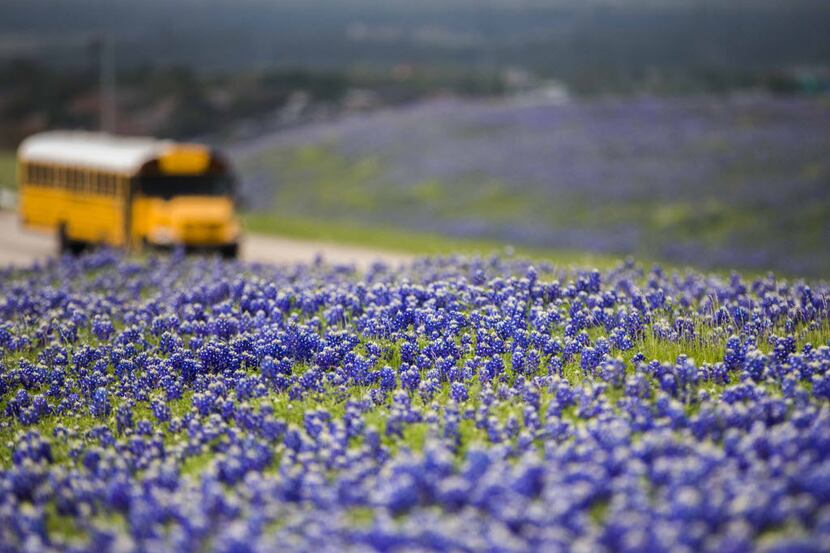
<point>458,392</point>
<point>304,407</point>
<point>100,406</point>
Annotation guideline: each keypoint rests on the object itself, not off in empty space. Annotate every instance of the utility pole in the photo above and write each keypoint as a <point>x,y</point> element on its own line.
<point>106,83</point>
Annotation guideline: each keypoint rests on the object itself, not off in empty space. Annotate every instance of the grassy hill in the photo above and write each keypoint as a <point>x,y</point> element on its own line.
<point>738,182</point>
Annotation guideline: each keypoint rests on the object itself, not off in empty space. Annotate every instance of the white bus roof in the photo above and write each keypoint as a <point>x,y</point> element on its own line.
<point>105,152</point>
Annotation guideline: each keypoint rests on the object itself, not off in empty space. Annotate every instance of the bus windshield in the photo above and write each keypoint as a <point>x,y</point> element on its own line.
<point>169,186</point>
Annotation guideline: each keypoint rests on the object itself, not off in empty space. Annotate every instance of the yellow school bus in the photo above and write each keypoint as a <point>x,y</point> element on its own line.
<point>96,189</point>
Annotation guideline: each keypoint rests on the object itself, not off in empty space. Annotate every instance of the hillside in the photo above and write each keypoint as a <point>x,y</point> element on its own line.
<point>739,181</point>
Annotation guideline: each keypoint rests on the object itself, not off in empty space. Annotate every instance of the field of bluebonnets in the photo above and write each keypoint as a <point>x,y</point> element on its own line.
<point>741,181</point>
<point>191,404</point>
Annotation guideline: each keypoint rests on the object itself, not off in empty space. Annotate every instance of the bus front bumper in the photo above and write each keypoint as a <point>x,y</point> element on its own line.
<point>228,250</point>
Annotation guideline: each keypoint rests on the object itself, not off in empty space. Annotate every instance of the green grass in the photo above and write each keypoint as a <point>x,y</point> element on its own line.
<point>7,170</point>
<point>396,240</point>
<point>411,242</point>
<point>321,194</point>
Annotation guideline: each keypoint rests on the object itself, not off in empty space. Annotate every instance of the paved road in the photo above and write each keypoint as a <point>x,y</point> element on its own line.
<point>21,247</point>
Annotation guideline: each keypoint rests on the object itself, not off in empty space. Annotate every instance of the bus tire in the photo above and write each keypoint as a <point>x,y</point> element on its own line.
<point>67,245</point>
<point>63,240</point>
<point>230,251</point>
<point>77,247</point>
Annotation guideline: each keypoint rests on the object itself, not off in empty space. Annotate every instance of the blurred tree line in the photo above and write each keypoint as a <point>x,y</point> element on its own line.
<point>178,102</point>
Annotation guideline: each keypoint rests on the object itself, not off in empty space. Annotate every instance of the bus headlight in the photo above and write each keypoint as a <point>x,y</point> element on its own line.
<point>161,235</point>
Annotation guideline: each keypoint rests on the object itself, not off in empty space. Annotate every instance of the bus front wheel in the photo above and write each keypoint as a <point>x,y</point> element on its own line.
<point>229,251</point>
<point>66,244</point>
